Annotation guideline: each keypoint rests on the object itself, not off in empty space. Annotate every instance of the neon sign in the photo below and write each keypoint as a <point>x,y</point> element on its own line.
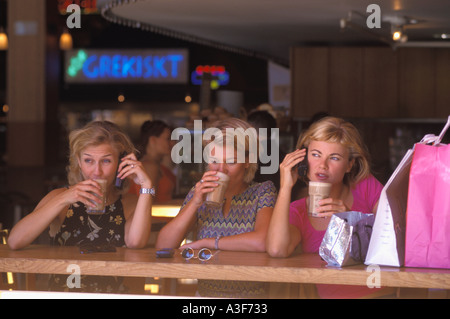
<point>218,73</point>
<point>87,6</point>
<point>100,66</point>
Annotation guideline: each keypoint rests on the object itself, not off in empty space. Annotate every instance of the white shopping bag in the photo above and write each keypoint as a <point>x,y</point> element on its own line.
<point>387,244</point>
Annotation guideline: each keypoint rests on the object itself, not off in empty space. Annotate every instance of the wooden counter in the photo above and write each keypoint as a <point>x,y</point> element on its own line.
<point>226,265</point>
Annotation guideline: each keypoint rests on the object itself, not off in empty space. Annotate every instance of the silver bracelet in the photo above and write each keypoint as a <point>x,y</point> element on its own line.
<point>150,191</point>
<point>216,244</point>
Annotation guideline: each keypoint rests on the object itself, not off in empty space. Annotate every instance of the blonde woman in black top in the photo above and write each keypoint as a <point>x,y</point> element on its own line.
<point>94,153</point>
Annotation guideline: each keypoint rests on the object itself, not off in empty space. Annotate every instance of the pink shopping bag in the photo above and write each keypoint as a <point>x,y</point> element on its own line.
<point>428,209</point>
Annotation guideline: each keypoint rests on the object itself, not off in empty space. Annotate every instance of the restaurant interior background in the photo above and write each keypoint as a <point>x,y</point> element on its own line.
<point>394,95</point>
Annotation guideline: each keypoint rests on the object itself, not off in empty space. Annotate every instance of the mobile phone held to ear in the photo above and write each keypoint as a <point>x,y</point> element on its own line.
<point>119,181</point>
<point>302,168</point>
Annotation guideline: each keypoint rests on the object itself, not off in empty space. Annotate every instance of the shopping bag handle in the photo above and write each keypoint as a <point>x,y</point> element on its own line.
<point>433,139</point>
<point>444,130</point>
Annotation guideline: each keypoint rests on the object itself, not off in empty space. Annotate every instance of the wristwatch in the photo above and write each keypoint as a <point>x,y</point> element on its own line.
<point>150,191</point>
<point>216,243</point>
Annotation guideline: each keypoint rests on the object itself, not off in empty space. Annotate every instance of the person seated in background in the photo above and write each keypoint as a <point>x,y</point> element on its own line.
<point>94,154</point>
<point>155,145</point>
<point>240,223</point>
<point>337,155</point>
<point>263,119</point>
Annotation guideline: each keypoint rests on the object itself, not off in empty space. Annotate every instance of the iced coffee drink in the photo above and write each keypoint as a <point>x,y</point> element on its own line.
<point>100,207</point>
<point>215,198</point>
<point>317,191</point>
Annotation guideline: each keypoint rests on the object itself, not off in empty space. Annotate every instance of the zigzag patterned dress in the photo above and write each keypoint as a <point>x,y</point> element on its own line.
<point>241,219</point>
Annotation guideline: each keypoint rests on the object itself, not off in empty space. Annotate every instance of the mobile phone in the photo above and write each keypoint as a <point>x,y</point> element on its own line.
<point>119,181</point>
<point>165,253</point>
<point>302,167</point>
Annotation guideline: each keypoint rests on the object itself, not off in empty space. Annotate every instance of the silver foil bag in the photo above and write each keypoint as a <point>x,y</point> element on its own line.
<point>347,239</point>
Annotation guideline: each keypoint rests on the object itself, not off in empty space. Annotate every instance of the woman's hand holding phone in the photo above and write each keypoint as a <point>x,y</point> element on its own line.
<point>129,166</point>
<point>288,168</point>
<point>302,168</point>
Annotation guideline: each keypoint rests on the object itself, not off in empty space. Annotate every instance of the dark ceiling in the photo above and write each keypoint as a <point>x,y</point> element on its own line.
<point>268,28</point>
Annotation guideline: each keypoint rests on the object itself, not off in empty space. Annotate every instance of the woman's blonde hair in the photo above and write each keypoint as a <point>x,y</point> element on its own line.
<point>247,135</point>
<point>93,134</point>
<point>336,130</point>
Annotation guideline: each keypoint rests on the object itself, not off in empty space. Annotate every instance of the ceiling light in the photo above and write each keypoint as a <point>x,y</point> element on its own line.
<point>397,35</point>
<point>442,36</point>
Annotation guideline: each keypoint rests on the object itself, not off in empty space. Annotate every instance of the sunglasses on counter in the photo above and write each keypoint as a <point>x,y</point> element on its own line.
<point>204,254</point>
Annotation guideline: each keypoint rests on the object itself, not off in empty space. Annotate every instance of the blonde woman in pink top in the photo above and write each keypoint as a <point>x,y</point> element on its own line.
<point>337,155</point>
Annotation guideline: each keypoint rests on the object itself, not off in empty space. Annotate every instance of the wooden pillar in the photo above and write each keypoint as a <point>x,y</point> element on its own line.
<point>26,82</point>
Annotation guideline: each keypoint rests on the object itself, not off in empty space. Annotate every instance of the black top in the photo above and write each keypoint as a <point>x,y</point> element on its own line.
<point>80,228</point>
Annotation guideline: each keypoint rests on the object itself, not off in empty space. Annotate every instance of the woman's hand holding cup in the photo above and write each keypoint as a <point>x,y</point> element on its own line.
<point>206,185</point>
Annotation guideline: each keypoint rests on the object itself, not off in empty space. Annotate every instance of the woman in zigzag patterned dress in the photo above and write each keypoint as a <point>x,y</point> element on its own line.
<point>240,223</point>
